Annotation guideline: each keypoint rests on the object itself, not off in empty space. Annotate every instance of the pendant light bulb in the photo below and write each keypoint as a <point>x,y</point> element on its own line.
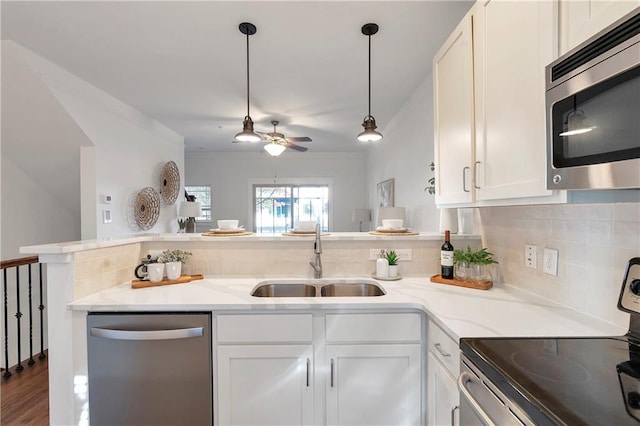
<point>369,134</point>
<point>274,149</point>
<point>247,134</point>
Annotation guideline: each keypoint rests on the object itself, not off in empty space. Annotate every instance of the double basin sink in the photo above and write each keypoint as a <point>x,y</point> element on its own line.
<point>327,288</point>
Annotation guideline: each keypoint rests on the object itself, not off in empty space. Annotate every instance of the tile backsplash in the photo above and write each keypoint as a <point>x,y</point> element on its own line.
<point>594,241</point>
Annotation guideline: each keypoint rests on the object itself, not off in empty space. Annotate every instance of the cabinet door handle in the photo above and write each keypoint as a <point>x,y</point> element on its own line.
<point>182,333</point>
<point>442,352</point>
<point>332,370</point>
<point>453,415</point>
<point>308,368</point>
<point>475,175</point>
<point>464,178</point>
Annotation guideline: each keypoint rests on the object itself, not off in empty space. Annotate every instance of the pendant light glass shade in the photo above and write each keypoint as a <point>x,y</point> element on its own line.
<point>369,134</point>
<point>247,134</point>
<point>274,148</point>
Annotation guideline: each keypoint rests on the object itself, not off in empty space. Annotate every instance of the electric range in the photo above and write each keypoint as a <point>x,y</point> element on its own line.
<point>540,381</point>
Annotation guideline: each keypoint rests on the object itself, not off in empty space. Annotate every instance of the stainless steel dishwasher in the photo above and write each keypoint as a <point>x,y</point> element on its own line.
<point>150,369</point>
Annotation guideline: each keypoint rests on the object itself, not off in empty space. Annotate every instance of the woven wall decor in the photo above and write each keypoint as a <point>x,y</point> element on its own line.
<point>170,182</point>
<point>147,208</point>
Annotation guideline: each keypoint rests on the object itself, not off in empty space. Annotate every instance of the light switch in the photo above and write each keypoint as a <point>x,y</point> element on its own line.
<point>530,256</point>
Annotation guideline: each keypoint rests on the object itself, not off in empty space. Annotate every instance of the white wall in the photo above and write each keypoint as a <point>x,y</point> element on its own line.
<point>231,174</point>
<point>404,154</point>
<point>127,154</point>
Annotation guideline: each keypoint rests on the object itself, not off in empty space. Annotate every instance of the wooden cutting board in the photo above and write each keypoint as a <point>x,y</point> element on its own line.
<point>478,285</point>
<point>182,280</point>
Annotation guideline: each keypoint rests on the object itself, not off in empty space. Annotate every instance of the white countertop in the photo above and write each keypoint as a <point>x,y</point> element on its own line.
<point>75,246</point>
<point>461,312</point>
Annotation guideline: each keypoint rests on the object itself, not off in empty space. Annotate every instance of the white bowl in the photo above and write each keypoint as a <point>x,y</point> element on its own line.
<point>228,224</point>
<point>306,225</point>
<point>392,223</point>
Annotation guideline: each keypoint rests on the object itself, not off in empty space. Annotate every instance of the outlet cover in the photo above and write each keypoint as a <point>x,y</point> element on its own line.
<point>404,254</point>
<point>550,262</point>
<point>374,254</point>
<point>530,256</point>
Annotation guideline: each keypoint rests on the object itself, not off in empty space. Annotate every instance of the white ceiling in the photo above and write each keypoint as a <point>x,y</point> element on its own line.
<point>184,63</point>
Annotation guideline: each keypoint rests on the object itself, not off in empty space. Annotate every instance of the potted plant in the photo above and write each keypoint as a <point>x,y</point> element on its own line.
<point>471,265</point>
<point>392,259</point>
<point>173,260</point>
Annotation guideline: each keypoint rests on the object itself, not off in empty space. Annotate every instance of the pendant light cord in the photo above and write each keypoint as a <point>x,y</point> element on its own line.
<point>369,76</point>
<point>248,75</point>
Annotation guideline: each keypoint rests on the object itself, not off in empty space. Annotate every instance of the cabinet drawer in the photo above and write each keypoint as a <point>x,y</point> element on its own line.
<point>445,349</point>
<point>373,328</point>
<point>264,328</point>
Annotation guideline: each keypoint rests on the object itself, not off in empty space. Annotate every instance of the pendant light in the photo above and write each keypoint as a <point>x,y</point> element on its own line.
<point>247,134</point>
<point>369,134</point>
<point>274,148</point>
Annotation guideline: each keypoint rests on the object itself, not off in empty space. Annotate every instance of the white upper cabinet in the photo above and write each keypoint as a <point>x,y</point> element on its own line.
<point>453,116</point>
<point>580,19</point>
<point>513,42</point>
<point>489,103</point>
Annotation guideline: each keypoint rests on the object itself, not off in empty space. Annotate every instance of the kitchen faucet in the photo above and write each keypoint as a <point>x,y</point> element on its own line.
<point>317,249</point>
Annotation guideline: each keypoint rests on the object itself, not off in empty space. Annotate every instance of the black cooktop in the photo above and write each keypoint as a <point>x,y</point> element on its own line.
<point>573,381</point>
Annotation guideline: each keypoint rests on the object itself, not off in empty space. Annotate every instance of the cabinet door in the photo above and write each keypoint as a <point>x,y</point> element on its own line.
<point>374,384</point>
<point>513,43</point>
<point>265,385</point>
<point>579,20</point>
<point>453,116</point>
<point>442,395</point>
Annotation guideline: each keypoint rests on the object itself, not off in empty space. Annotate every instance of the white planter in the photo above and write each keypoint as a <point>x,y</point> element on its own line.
<point>393,271</point>
<point>155,272</point>
<point>174,269</point>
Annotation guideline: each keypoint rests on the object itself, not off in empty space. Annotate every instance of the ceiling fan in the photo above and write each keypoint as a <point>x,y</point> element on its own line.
<point>280,141</point>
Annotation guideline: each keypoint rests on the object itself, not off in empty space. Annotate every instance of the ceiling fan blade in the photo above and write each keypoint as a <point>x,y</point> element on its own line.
<point>296,147</point>
<point>298,139</point>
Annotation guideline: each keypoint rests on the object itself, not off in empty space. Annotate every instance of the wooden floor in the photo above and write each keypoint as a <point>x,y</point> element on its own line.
<point>25,395</point>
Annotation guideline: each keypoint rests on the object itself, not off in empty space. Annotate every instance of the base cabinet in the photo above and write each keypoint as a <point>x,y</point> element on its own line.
<point>265,385</point>
<point>332,369</point>
<point>442,395</point>
<point>374,385</point>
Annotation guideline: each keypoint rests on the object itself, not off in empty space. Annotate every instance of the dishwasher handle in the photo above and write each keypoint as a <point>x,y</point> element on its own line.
<point>465,378</point>
<point>180,333</point>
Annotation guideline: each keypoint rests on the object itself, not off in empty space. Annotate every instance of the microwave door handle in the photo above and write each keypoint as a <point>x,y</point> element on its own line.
<point>465,378</point>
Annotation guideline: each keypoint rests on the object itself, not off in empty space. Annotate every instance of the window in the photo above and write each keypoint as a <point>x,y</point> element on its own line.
<point>203,195</point>
<point>278,208</point>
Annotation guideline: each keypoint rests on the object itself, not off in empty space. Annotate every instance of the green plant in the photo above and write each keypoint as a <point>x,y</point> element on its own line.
<point>182,223</point>
<point>391,257</point>
<point>175,255</point>
<point>481,256</point>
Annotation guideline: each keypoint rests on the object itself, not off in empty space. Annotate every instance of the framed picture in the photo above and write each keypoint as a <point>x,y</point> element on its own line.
<point>385,193</point>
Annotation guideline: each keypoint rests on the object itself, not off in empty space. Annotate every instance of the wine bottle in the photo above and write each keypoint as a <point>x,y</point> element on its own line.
<point>446,257</point>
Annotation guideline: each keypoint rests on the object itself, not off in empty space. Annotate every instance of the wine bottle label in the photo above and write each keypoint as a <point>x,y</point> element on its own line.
<point>446,258</point>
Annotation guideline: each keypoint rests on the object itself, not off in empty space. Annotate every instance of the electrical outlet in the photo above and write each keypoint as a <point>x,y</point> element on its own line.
<point>550,262</point>
<point>374,254</point>
<point>530,256</point>
<point>404,254</point>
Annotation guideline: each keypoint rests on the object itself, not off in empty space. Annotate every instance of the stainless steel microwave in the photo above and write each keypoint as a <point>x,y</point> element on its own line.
<point>593,111</point>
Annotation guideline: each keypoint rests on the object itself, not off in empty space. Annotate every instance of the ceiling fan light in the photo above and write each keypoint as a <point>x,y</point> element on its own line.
<point>369,134</point>
<point>274,149</point>
<point>247,134</point>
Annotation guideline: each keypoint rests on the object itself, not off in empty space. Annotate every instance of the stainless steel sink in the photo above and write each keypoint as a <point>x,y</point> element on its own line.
<point>284,290</point>
<point>359,289</point>
<point>325,288</point>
